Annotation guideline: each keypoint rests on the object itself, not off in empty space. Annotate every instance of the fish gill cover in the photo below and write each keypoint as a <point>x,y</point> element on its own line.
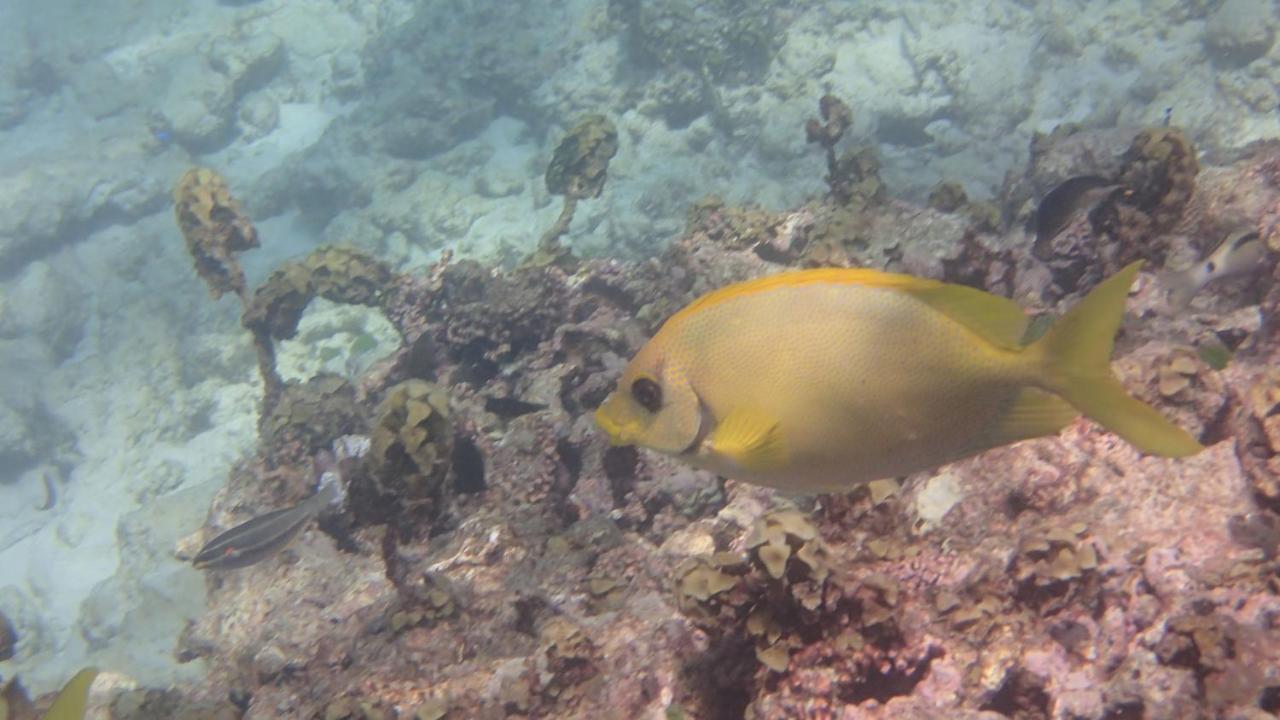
<point>373,181</point>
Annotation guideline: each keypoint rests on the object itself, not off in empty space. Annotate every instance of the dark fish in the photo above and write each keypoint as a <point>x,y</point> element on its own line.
<point>264,535</point>
<point>1060,205</point>
<point>8,638</point>
<point>1239,254</point>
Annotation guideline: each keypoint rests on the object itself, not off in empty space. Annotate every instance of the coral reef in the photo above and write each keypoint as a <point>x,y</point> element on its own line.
<point>214,226</point>
<point>853,177</point>
<point>1064,577</point>
<point>497,545</point>
<point>338,274</point>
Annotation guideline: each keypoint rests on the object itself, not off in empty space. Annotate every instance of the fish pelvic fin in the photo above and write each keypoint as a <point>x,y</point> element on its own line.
<point>749,439</point>
<point>1075,355</point>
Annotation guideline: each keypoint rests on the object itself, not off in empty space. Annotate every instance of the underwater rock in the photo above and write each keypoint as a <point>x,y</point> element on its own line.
<point>308,416</point>
<point>197,107</point>
<point>482,320</point>
<point>200,102</point>
<point>48,205</point>
<point>730,41</point>
<point>1095,222</point>
<point>259,115</point>
<point>678,97</point>
<point>1240,31</point>
<point>47,303</point>
<point>1158,176</point>
<point>947,197</point>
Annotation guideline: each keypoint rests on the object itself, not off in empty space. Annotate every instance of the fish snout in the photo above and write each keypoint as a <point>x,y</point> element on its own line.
<point>617,432</point>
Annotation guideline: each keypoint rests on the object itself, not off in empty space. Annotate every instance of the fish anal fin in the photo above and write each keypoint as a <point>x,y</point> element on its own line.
<point>750,439</point>
<point>1032,413</point>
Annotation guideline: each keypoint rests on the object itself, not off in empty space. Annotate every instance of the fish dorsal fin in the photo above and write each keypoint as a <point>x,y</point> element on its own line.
<point>750,439</point>
<point>998,320</point>
<point>73,698</point>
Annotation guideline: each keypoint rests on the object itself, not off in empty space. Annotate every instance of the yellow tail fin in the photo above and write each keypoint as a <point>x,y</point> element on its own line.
<point>1077,360</point>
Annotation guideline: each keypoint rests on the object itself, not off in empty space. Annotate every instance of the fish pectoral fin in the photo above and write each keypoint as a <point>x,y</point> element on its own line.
<point>750,439</point>
<point>1033,413</point>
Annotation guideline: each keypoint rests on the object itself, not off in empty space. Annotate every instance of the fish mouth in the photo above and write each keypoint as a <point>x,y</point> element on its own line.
<point>617,432</point>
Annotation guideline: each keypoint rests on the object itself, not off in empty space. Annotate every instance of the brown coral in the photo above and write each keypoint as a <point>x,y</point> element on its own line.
<point>214,227</point>
<point>577,171</point>
<point>338,274</point>
<point>411,443</point>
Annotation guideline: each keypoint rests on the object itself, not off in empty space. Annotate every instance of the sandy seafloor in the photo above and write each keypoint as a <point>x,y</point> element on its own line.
<point>405,128</point>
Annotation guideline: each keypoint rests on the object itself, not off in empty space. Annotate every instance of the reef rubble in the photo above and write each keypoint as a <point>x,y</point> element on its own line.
<point>500,559</point>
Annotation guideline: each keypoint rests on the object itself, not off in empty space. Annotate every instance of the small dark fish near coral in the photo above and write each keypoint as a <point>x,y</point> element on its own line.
<point>1060,205</point>
<point>265,535</point>
<point>1239,254</point>
<point>8,638</point>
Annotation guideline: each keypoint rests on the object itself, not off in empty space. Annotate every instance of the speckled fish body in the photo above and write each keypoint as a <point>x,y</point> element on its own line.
<point>820,380</point>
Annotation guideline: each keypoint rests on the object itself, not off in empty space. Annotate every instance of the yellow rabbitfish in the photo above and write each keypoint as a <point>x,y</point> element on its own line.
<point>819,380</point>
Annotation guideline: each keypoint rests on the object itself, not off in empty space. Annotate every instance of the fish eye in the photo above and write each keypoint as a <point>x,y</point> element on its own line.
<point>648,393</point>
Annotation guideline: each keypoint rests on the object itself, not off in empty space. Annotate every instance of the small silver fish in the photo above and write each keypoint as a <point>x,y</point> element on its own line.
<point>265,535</point>
<point>1239,254</point>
